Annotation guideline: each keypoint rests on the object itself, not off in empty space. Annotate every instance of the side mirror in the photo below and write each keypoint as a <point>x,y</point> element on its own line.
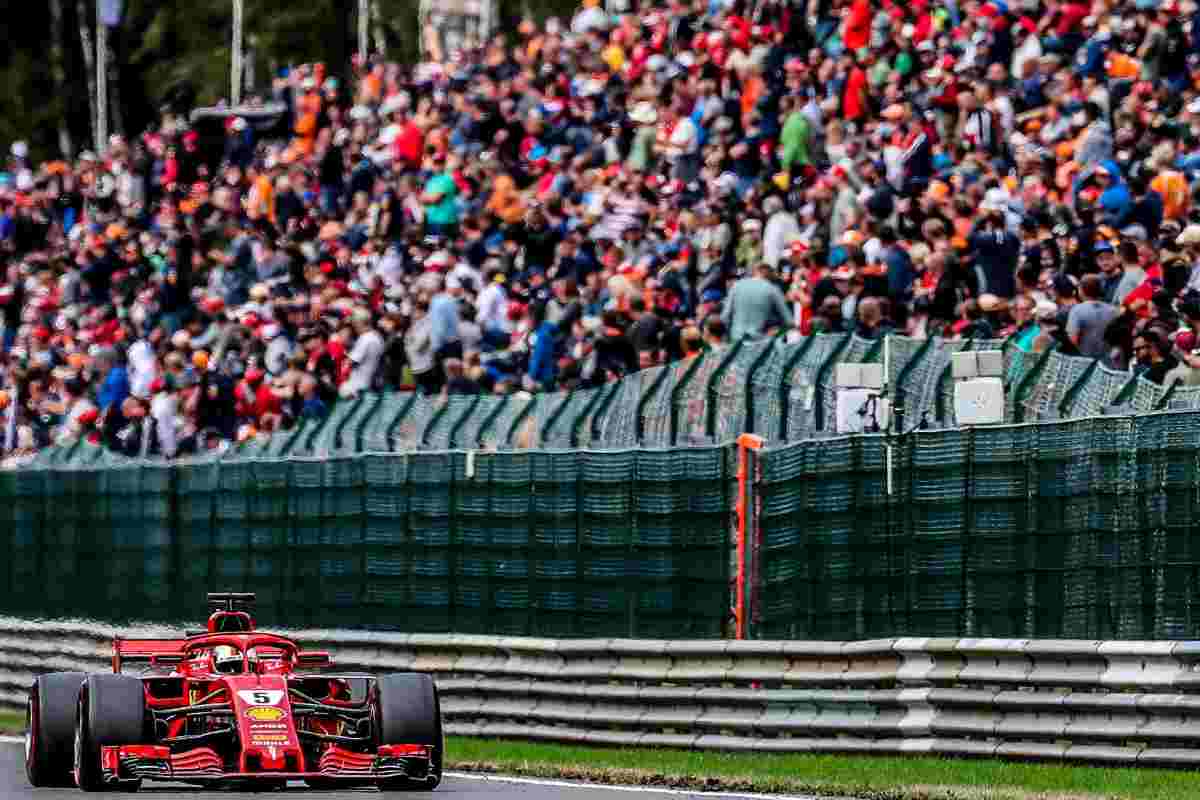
<point>166,660</point>
<point>313,659</point>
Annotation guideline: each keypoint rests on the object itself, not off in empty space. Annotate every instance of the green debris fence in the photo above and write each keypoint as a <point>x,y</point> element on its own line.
<point>614,544</point>
<point>1083,529</point>
<point>1087,529</point>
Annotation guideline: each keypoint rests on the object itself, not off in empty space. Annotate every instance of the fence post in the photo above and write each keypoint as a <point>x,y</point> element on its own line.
<point>822,373</point>
<point>748,447</point>
<point>679,386</point>
<point>552,420</point>
<point>491,418</point>
<point>462,420</point>
<point>360,428</point>
<point>1163,401</point>
<point>433,421</point>
<point>525,412</point>
<point>763,358</point>
<point>1027,381</point>
<point>311,439</point>
<point>359,402</point>
<point>785,387</point>
<point>1126,392</point>
<point>401,415</point>
<point>1068,399</point>
<point>899,392</point>
<point>577,423</point>
<point>613,390</point>
<point>710,388</point>
<point>645,399</point>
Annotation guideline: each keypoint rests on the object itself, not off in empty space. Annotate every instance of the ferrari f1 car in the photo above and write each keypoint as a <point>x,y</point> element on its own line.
<point>232,705</point>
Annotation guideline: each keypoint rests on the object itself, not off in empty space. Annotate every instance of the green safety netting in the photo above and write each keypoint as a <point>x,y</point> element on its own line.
<point>529,543</point>
<point>1082,529</point>
<point>1071,529</point>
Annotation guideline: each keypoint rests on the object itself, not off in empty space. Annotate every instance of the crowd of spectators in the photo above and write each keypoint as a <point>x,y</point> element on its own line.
<point>575,201</point>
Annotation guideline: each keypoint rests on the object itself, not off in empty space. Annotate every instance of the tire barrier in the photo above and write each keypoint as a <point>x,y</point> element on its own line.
<point>1101,702</point>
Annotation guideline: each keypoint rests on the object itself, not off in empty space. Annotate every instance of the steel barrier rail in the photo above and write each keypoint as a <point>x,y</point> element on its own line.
<point>1102,702</point>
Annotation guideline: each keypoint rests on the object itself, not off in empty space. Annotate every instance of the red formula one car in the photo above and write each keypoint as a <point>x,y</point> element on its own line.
<point>232,704</point>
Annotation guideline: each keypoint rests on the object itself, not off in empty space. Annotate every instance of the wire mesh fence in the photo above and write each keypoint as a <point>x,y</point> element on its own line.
<point>1081,529</point>
<point>1084,528</point>
<point>783,391</point>
<point>521,543</point>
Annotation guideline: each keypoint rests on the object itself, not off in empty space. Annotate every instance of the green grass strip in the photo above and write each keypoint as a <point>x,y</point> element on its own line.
<point>868,777</point>
<point>12,722</point>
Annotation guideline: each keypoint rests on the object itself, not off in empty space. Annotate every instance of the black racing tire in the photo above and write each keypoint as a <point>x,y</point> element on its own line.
<point>407,710</point>
<point>111,711</point>
<point>50,729</point>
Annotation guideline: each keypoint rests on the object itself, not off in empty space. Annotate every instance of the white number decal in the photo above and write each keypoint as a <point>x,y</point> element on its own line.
<point>261,697</point>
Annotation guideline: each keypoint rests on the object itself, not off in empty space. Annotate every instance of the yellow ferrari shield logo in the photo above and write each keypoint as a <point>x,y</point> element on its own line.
<point>265,714</point>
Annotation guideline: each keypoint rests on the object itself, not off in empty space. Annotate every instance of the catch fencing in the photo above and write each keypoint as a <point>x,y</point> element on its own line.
<point>1074,529</point>
<point>1081,529</point>
<point>583,543</point>
<point>1120,703</point>
<point>781,391</point>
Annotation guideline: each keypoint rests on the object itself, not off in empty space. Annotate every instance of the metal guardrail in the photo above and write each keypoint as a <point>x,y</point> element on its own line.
<point>1104,702</point>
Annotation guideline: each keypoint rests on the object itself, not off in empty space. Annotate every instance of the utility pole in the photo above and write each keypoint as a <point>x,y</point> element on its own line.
<point>58,73</point>
<point>89,62</point>
<point>101,81</point>
<point>364,21</point>
<point>235,77</point>
<point>378,28</point>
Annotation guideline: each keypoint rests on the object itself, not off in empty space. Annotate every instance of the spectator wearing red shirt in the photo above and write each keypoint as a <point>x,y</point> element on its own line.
<point>857,34</point>
<point>854,97</point>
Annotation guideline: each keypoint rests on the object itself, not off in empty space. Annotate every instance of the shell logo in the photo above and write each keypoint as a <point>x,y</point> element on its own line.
<point>265,714</point>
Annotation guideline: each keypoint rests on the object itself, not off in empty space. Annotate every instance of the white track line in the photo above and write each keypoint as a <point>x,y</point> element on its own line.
<point>479,776</point>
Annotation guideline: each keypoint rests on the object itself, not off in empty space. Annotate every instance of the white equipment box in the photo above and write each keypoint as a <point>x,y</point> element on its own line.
<point>979,401</point>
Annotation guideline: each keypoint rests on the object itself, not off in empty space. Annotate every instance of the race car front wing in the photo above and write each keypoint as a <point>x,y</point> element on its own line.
<point>155,762</point>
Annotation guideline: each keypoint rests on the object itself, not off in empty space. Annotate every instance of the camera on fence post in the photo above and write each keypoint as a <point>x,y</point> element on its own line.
<point>862,404</point>
<point>978,387</point>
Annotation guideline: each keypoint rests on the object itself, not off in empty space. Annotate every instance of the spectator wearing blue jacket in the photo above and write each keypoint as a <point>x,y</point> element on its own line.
<point>115,388</point>
<point>900,272</point>
<point>1116,204</point>
<point>542,359</point>
<point>444,314</point>
<point>996,251</point>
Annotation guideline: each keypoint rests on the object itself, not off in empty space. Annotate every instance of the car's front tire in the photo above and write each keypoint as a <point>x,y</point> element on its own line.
<point>111,711</point>
<point>50,728</point>
<point>407,711</point>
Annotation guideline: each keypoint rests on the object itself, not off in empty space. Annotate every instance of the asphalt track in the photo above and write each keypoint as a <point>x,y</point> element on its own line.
<point>13,785</point>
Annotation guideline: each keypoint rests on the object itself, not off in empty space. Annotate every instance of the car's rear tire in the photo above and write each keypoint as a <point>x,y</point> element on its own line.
<point>407,711</point>
<point>111,711</point>
<point>50,728</point>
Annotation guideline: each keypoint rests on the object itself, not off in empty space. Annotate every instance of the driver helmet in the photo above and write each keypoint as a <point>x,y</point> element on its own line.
<point>227,659</point>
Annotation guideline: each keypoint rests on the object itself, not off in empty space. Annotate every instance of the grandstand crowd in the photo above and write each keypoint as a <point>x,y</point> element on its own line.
<point>589,197</point>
